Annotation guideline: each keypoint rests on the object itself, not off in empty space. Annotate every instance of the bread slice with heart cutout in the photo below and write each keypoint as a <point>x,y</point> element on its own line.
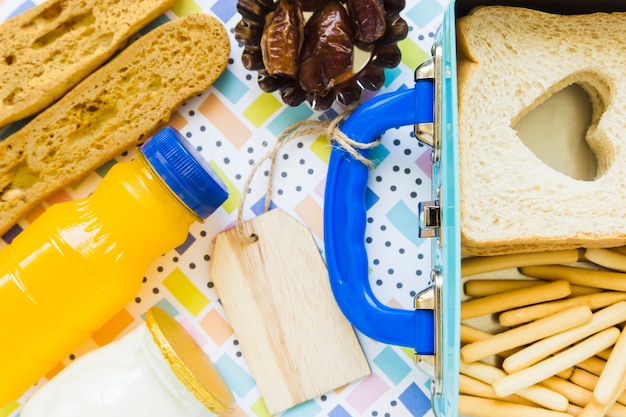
<point>510,60</point>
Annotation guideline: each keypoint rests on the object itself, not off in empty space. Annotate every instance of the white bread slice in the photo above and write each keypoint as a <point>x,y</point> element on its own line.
<point>48,49</point>
<point>510,60</point>
<point>118,106</point>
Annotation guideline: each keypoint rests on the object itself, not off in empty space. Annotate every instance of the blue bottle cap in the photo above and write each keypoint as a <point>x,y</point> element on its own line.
<point>185,171</point>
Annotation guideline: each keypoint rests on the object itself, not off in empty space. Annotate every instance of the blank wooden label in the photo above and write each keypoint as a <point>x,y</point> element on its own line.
<point>277,296</point>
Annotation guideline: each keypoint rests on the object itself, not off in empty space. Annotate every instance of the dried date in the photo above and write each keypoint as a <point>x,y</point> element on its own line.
<point>326,58</point>
<point>369,19</point>
<point>282,39</point>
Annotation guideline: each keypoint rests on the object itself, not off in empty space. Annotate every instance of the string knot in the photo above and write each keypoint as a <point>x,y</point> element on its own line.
<point>330,129</point>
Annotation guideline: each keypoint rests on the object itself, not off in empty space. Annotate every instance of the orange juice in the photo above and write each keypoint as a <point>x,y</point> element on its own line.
<point>82,261</point>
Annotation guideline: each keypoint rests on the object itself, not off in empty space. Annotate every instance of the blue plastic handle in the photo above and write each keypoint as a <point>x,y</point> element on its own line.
<point>344,222</point>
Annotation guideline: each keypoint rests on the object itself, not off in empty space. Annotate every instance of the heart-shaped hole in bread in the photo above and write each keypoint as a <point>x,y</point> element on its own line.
<point>556,132</point>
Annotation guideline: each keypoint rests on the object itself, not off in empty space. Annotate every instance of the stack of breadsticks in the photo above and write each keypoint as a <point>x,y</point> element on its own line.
<point>548,342</point>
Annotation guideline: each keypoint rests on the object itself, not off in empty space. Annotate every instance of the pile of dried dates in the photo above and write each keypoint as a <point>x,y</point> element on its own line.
<point>306,48</point>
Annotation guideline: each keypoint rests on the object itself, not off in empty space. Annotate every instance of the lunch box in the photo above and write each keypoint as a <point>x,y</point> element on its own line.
<point>432,327</point>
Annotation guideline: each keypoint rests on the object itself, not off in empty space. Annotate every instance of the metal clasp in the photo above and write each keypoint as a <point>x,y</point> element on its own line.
<point>425,132</point>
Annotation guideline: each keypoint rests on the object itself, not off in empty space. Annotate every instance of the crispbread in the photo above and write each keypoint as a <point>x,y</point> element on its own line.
<point>511,59</point>
<point>116,107</point>
<point>48,49</point>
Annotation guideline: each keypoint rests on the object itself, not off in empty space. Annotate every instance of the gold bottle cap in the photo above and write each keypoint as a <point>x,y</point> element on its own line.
<point>189,362</point>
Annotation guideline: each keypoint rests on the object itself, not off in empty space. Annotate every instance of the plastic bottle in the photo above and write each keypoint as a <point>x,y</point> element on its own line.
<point>82,261</point>
<point>155,370</point>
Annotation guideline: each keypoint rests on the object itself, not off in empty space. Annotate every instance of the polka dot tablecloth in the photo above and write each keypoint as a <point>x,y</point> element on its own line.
<point>234,124</point>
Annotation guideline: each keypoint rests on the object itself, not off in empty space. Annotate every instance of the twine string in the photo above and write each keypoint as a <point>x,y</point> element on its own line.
<point>330,129</point>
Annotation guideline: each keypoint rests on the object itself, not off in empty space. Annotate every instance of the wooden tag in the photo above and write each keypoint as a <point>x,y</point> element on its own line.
<point>276,294</point>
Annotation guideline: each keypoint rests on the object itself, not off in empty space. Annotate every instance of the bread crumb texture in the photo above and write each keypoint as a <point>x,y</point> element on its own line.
<point>46,50</point>
<point>510,61</point>
<point>116,107</point>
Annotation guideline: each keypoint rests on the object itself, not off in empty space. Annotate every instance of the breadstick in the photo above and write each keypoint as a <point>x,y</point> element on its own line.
<point>545,327</point>
<point>606,258</point>
<point>578,395</point>
<point>485,407</point>
<point>482,264</point>
<point>473,386</point>
<point>553,365</point>
<point>477,388</point>
<point>471,334</point>
<point>536,393</point>
<point>566,373</point>
<point>589,381</point>
<point>614,372</point>
<point>582,276</point>
<point>574,410</point>
<point>605,353</point>
<point>573,392</point>
<point>593,409</point>
<point>595,301</point>
<point>515,298</point>
<point>593,365</point>
<point>484,287</point>
<point>602,319</point>
<point>584,379</point>
<point>583,290</point>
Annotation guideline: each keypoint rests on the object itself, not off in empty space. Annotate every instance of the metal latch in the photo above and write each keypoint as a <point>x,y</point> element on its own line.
<point>430,218</point>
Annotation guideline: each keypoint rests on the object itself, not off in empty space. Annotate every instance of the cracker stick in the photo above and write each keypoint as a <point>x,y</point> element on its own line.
<point>515,298</point>
<point>582,276</point>
<point>614,372</point>
<point>484,287</point>
<point>595,301</point>
<point>606,258</point>
<point>553,365</point>
<point>537,394</point>
<point>522,335</point>
<point>602,319</point>
<point>485,407</point>
<point>482,264</point>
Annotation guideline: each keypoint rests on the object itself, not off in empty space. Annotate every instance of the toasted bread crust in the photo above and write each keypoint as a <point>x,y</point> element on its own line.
<point>51,47</point>
<point>113,109</point>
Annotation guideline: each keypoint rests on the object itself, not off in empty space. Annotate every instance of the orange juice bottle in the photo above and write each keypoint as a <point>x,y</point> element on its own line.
<point>82,261</point>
